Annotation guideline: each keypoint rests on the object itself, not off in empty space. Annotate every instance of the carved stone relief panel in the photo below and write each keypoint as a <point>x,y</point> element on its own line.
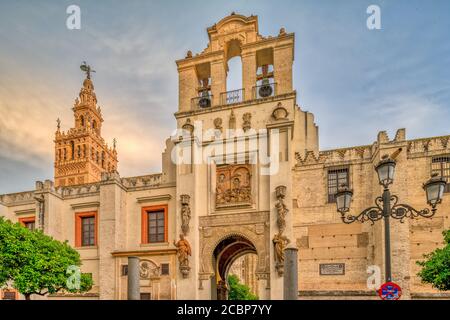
<point>233,185</point>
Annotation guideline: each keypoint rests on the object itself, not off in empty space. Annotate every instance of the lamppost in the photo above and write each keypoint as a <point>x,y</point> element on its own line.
<point>387,205</point>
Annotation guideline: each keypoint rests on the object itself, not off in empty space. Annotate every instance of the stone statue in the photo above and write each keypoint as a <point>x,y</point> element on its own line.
<point>183,251</point>
<point>282,211</point>
<point>185,213</point>
<point>246,118</point>
<point>280,242</point>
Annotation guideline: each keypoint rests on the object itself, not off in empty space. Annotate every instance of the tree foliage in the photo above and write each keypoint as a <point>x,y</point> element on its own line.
<point>436,267</point>
<point>239,291</point>
<point>34,263</point>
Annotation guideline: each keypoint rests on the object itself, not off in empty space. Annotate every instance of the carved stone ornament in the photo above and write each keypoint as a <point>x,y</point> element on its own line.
<point>183,253</point>
<point>218,124</point>
<point>188,126</point>
<point>233,185</point>
<point>246,118</point>
<point>232,121</point>
<point>185,213</point>
<point>279,113</point>
<point>148,269</point>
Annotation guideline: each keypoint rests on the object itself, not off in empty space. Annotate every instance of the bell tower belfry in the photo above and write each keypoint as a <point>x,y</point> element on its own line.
<point>81,154</point>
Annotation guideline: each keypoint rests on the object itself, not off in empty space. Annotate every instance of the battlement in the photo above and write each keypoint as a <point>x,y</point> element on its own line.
<point>367,152</point>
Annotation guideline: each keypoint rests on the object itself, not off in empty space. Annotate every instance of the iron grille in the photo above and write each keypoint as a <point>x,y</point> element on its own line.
<point>441,166</point>
<point>336,178</point>
<point>231,97</point>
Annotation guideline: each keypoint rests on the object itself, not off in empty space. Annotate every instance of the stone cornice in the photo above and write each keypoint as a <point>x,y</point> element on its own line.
<point>180,115</point>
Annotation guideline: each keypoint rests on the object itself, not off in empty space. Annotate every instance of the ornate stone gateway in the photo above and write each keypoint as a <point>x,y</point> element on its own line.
<point>223,239</point>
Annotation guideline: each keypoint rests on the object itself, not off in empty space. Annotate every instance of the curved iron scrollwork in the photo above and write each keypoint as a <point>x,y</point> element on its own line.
<point>398,211</point>
<point>371,214</point>
<point>402,211</point>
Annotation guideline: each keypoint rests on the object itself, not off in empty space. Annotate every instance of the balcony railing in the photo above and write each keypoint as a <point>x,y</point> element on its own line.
<point>204,101</point>
<point>231,97</point>
<point>264,91</point>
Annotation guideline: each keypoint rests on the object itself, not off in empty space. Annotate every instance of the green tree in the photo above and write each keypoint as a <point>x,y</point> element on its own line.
<point>239,291</point>
<point>436,267</point>
<point>34,263</point>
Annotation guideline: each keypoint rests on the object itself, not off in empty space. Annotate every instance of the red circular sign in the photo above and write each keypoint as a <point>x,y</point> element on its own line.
<point>390,291</point>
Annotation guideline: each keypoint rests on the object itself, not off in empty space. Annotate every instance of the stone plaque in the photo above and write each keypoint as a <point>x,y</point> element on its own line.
<point>332,269</point>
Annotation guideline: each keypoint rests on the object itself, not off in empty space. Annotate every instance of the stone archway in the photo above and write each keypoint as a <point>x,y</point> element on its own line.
<point>225,253</point>
<point>251,234</point>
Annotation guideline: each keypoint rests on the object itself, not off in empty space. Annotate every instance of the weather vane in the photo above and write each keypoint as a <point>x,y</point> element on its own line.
<point>86,68</point>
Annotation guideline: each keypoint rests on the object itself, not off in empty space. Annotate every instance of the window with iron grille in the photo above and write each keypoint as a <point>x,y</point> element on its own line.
<point>156,226</point>
<point>124,270</point>
<point>88,231</point>
<point>441,166</point>
<point>336,178</point>
<point>164,269</point>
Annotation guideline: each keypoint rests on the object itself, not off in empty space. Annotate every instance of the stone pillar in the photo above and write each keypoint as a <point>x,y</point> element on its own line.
<point>218,80</point>
<point>134,290</point>
<point>290,273</point>
<point>248,73</point>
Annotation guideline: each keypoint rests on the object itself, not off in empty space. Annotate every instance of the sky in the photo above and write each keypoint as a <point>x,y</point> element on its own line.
<point>355,81</point>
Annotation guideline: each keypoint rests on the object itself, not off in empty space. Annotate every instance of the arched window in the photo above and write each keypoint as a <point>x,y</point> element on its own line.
<point>78,152</point>
<point>98,157</point>
<point>234,93</point>
<point>82,121</point>
<point>103,159</point>
<point>94,124</point>
<point>72,149</point>
<point>65,154</point>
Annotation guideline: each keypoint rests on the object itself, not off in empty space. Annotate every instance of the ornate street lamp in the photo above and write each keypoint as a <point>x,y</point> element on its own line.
<point>387,205</point>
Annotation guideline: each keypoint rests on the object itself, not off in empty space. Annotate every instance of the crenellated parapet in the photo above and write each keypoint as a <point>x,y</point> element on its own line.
<point>152,180</point>
<point>18,198</point>
<point>416,147</point>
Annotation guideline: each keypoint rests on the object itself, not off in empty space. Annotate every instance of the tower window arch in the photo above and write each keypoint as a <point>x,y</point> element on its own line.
<point>82,121</point>
<point>72,149</point>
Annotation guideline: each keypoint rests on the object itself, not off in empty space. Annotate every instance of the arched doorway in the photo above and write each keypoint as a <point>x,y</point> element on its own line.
<point>225,253</point>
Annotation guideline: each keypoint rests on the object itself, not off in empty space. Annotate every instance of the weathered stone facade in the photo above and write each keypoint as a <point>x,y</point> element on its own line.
<point>229,202</point>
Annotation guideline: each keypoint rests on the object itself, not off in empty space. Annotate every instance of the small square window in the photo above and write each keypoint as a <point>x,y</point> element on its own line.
<point>164,269</point>
<point>124,270</point>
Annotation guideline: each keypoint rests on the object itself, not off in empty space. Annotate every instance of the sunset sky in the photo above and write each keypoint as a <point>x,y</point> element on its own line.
<point>356,81</point>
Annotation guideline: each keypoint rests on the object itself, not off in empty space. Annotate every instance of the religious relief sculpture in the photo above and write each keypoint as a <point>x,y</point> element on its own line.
<point>233,185</point>
<point>281,207</point>
<point>148,269</point>
<point>183,252</point>
<point>280,242</point>
<point>246,118</point>
<point>185,213</point>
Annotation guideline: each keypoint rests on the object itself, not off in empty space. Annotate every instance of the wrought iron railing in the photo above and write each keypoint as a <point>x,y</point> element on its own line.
<point>264,90</point>
<point>204,101</point>
<point>231,97</point>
